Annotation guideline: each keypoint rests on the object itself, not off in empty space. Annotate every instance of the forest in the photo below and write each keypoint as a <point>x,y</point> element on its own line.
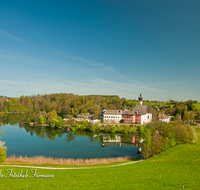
<point>70,104</point>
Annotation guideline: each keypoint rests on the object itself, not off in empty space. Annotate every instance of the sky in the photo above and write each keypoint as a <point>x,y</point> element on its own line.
<point>105,47</point>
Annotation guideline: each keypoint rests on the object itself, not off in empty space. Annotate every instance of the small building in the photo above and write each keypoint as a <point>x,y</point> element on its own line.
<point>164,118</point>
<point>110,116</point>
<point>87,117</point>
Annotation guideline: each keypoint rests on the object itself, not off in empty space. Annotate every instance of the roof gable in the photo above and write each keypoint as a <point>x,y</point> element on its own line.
<point>142,109</point>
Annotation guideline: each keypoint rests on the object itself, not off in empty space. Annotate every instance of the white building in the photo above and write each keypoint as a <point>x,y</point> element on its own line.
<point>164,118</point>
<point>111,115</point>
<point>143,114</point>
<point>139,115</point>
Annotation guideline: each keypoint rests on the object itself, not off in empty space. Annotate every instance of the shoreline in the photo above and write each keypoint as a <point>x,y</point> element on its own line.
<point>41,160</point>
<point>56,168</point>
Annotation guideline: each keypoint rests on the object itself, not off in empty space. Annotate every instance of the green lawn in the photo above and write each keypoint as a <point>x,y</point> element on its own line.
<point>177,167</point>
<point>198,134</point>
<point>145,103</point>
<point>198,106</point>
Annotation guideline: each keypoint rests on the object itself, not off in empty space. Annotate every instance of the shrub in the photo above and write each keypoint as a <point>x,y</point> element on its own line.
<point>82,127</point>
<point>52,123</point>
<point>112,129</point>
<point>42,119</point>
<point>141,128</point>
<point>3,152</point>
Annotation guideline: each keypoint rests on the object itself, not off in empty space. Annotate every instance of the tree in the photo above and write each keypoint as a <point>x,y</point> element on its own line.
<point>42,119</point>
<point>185,115</point>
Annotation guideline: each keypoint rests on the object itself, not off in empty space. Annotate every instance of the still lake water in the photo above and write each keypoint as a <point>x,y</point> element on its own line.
<point>31,141</point>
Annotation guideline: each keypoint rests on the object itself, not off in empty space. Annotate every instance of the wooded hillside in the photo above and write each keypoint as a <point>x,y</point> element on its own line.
<point>70,104</point>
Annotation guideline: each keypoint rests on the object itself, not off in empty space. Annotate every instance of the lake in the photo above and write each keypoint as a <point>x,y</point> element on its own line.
<point>31,141</point>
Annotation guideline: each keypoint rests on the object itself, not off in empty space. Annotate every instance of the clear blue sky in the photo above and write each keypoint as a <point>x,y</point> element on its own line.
<point>101,47</point>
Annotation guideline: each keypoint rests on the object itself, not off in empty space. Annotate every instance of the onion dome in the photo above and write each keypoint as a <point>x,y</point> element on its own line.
<point>140,98</point>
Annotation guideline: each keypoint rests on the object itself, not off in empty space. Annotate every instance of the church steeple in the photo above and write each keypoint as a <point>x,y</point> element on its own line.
<point>140,99</point>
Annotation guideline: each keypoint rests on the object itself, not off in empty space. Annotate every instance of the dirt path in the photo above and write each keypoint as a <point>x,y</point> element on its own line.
<point>51,168</point>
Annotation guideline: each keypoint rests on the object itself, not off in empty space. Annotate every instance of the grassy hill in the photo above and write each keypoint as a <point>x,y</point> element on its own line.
<point>198,106</point>
<point>177,167</point>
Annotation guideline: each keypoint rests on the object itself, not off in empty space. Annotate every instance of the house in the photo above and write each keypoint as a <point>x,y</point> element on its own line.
<point>139,115</point>
<point>164,118</point>
<point>86,117</point>
<point>143,114</point>
<point>110,116</point>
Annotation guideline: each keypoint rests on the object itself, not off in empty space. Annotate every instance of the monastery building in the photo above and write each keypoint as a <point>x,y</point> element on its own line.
<point>139,115</point>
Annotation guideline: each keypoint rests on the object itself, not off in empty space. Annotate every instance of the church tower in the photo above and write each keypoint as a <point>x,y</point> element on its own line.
<point>140,99</point>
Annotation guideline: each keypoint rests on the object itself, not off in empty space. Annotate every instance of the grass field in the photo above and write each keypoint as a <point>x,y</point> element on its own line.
<point>198,106</point>
<point>177,167</point>
<point>145,103</point>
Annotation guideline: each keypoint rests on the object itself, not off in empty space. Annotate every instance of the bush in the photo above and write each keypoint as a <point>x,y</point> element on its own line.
<point>42,120</point>
<point>113,129</point>
<point>194,123</point>
<point>3,152</point>
<point>141,128</point>
<point>52,123</point>
<point>59,123</point>
<point>161,136</point>
<point>93,128</point>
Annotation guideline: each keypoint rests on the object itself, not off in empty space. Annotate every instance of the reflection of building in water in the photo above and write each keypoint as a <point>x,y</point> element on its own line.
<point>119,140</point>
<point>108,139</point>
<point>139,153</point>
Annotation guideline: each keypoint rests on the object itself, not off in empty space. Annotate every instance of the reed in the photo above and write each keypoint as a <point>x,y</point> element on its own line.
<point>41,160</point>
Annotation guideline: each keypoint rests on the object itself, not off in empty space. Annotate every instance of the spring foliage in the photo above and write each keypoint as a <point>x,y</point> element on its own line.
<point>161,136</point>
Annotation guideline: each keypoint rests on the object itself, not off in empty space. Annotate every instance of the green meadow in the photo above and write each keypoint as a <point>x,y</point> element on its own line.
<point>197,106</point>
<point>172,169</point>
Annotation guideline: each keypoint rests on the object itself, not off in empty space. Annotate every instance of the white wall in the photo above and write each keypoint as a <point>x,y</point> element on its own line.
<point>146,118</point>
<point>165,120</point>
<point>110,118</point>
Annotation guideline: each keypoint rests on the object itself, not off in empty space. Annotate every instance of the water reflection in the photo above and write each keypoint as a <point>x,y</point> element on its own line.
<point>79,144</point>
<point>105,139</point>
<point>122,140</point>
<point>12,119</point>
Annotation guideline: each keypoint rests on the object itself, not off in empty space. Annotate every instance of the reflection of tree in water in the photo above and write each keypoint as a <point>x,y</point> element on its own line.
<point>70,137</point>
<point>43,132</point>
<point>29,129</point>
<point>93,137</point>
<point>12,119</point>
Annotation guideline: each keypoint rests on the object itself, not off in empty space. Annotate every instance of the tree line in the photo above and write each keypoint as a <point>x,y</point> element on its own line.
<point>70,104</point>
